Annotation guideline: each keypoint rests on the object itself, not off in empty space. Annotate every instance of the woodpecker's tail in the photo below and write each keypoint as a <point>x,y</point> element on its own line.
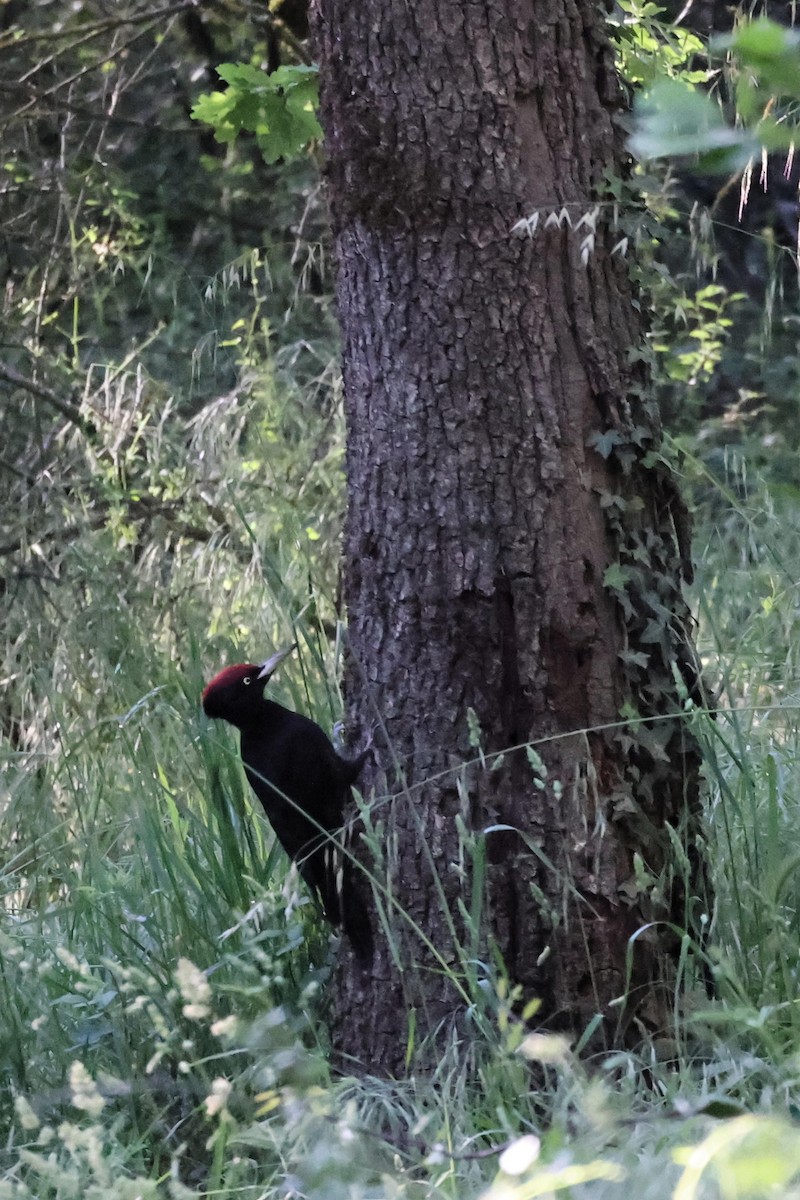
<point>355,915</point>
<point>336,880</point>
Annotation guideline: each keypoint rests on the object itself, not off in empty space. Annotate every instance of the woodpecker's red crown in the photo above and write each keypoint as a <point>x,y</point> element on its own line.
<point>231,694</point>
<point>231,675</point>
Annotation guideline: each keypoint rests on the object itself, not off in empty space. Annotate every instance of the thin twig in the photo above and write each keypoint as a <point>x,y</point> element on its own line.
<point>70,411</point>
<point>147,14</point>
<point>144,508</point>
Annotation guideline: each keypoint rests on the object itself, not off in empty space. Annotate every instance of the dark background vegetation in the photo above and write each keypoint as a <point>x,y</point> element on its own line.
<point>171,454</point>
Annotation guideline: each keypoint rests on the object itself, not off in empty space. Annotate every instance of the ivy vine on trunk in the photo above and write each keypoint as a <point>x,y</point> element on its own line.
<point>515,544</point>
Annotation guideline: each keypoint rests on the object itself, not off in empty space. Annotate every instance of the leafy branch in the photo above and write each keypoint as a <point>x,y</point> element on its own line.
<point>675,119</point>
<point>280,108</point>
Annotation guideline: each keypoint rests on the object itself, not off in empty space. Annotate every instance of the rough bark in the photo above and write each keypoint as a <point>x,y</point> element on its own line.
<point>480,370</point>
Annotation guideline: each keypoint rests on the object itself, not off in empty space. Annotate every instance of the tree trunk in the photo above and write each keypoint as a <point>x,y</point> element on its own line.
<point>512,570</point>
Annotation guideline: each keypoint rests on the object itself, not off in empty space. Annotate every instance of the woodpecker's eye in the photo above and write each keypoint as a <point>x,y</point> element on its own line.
<point>247,679</point>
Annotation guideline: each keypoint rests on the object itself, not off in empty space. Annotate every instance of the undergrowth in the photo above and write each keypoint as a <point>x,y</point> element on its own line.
<point>163,973</point>
<point>172,495</point>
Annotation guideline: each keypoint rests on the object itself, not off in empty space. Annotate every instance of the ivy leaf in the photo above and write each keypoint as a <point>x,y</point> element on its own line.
<point>653,742</point>
<point>611,500</point>
<point>616,576</point>
<point>656,605</point>
<point>653,632</point>
<point>635,658</point>
<point>604,443</point>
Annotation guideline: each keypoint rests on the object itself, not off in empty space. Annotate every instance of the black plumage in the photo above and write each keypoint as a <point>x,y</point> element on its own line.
<point>302,783</point>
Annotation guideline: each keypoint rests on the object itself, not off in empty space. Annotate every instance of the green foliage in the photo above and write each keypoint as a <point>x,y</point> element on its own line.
<point>674,118</point>
<point>715,255</point>
<point>692,345</point>
<point>649,48</point>
<point>279,108</point>
<point>172,496</point>
<point>767,62</point>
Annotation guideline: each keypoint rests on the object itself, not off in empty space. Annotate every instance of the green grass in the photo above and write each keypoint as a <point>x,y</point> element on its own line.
<point>162,973</point>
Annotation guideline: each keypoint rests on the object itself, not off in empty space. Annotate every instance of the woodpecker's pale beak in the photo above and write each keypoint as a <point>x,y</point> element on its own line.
<point>271,664</point>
